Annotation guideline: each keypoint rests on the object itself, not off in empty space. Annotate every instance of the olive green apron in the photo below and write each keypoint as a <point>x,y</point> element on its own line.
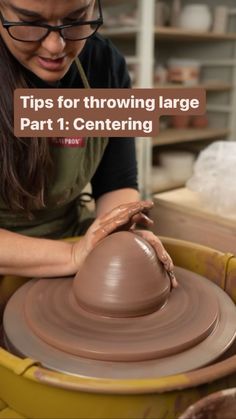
<point>64,212</point>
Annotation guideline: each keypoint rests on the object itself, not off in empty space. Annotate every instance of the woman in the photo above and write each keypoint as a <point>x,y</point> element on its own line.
<point>42,180</point>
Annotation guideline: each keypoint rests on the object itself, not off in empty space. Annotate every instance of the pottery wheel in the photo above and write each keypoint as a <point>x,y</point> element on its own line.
<point>194,327</point>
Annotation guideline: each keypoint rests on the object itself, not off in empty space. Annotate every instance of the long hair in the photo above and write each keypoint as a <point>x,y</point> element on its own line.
<point>25,163</point>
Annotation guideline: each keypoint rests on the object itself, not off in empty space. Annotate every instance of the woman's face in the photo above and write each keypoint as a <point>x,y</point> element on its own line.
<point>50,58</point>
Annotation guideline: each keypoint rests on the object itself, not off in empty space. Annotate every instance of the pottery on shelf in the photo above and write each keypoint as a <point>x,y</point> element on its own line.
<point>184,71</point>
<point>196,17</point>
<point>180,121</point>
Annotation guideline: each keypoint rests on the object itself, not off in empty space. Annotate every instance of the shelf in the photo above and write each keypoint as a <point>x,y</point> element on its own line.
<point>178,34</point>
<point>210,86</point>
<point>215,52</point>
<point>175,136</point>
<point>121,32</point>
<point>170,185</point>
<point>115,2</point>
<point>131,60</point>
<point>166,33</point>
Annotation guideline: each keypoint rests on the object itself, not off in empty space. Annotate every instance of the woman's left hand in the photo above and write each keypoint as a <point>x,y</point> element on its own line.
<point>120,218</point>
<point>127,221</point>
<point>162,254</point>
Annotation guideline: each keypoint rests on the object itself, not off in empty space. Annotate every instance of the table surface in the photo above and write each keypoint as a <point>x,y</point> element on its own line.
<point>188,201</point>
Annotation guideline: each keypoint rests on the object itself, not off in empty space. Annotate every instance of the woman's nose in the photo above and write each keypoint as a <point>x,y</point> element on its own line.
<point>54,43</point>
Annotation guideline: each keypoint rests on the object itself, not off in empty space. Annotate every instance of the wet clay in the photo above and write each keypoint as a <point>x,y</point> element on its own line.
<point>54,315</point>
<point>117,307</point>
<point>220,405</point>
<point>134,338</point>
<point>122,277</point>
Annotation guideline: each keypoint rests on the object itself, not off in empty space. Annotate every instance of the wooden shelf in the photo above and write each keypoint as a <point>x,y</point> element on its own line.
<point>210,86</point>
<point>115,2</point>
<point>131,59</point>
<point>178,34</point>
<point>121,32</point>
<point>166,33</point>
<point>170,185</point>
<point>175,136</point>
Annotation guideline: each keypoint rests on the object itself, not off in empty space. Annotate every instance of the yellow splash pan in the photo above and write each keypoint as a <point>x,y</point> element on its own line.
<point>27,390</point>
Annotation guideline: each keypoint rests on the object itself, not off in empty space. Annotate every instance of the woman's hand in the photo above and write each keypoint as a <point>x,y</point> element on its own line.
<point>123,217</point>
<point>162,254</point>
<point>119,218</point>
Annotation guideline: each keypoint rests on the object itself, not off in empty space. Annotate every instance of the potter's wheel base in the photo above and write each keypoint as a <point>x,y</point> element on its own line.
<point>202,354</point>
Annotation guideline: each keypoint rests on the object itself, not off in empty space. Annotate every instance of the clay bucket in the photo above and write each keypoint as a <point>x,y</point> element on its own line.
<point>31,391</point>
<point>216,406</point>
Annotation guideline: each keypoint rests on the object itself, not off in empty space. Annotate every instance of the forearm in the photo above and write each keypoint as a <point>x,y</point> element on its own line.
<point>26,256</point>
<point>33,257</point>
<point>112,199</point>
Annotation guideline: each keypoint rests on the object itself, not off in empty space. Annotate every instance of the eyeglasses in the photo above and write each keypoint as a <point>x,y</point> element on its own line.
<point>76,31</point>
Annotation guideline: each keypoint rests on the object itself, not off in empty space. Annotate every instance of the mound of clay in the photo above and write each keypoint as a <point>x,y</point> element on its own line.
<point>122,277</point>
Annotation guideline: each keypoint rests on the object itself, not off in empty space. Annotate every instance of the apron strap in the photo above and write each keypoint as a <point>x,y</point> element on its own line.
<point>82,73</point>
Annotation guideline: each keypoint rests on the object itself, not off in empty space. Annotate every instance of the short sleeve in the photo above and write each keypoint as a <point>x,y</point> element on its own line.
<point>117,169</point>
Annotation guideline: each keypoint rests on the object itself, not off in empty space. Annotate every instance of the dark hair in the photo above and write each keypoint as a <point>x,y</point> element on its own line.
<point>25,163</point>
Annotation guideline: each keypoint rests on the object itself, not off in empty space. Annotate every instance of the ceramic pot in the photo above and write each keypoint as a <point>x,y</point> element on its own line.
<point>220,21</point>
<point>200,121</point>
<point>218,405</point>
<point>196,17</point>
<point>183,71</point>
<point>179,164</point>
<point>180,121</point>
<point>162,13</point>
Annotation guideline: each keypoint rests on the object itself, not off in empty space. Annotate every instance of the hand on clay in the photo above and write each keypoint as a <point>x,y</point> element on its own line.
<point>123,217</point>
<point>162,254</point>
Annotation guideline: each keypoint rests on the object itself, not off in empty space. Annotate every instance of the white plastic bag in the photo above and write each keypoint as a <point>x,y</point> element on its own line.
<point>214,177</point>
